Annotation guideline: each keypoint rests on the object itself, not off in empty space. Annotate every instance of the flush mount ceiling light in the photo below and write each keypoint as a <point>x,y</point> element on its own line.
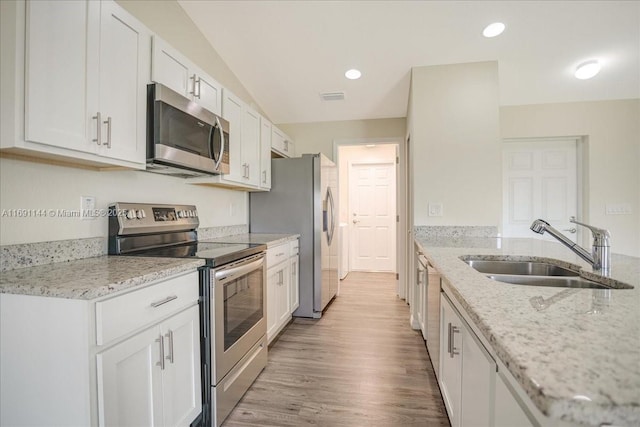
<point>353,74</point>
<point>588,69</point>
<point>493,30</point>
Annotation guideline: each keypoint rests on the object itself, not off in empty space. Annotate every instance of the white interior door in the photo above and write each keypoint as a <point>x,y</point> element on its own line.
<point>539,181</point>
<point>372,199</point>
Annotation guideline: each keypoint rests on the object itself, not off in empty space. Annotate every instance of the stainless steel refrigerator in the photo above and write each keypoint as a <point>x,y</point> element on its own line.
<point>303,200</point>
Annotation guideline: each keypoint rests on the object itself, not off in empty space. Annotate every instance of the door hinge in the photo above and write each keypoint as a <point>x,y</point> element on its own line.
<point>397,276</point>
<point>397,160</point>
<point>397,218</point>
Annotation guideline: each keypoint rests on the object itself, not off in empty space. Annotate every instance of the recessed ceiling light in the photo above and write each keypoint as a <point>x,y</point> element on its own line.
<point>494,29</point>
<point>588,69</point>
<point>353,74</point>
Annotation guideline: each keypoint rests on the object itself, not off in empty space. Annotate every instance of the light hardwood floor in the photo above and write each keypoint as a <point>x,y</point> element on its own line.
<point>359,365</point>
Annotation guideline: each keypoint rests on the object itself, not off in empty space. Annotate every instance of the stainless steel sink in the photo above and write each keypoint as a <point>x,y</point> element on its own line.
<point>520,268</point>
<point>556,281</point>
<point>539,273</point>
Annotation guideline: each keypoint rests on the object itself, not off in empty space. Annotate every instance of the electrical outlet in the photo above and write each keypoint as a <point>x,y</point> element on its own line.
<point>87,207</point>
<point>435,209</point>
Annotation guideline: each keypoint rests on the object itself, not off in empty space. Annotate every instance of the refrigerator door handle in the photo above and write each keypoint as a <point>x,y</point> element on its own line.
<point>331,231</point>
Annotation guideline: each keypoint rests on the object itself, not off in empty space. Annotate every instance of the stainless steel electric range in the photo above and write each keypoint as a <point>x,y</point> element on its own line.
<point>232,295</point>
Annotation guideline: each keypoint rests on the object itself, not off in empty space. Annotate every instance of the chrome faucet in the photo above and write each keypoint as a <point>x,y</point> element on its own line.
<point>600,256</point>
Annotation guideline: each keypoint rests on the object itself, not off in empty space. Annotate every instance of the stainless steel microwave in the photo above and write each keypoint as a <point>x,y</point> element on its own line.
<point>184,139</point>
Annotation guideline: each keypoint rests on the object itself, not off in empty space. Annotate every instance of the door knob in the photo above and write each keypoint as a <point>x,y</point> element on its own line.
<point>355,221</point>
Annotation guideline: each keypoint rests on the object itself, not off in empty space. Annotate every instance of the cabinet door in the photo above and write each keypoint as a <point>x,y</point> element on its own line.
<point>125,46</point>
<point>170,68</point>
<point>450,361</point>
<point>208,92</point>
<point>507,412</point>
<point>478,382</point>
<point>277,140</point>
<point>61,62</point>
<point>294,285</point>
<point>129,382</point>
<point>182,398</point>
<point>265,153</point>
<point>251,145</point>
<point>284,305</point>
<point>273,283</point>
<point>232,112</point>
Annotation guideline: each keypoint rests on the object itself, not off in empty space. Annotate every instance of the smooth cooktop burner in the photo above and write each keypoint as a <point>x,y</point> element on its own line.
<point>214,253</point>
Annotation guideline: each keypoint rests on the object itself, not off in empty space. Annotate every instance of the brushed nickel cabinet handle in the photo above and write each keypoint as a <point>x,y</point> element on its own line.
<point>449,345</point>
<point>193,87</point>
<point>108,123</point>
<point>454,330</point>
<point>164,301</point>
<point>98,118</point>
<point>161,362</point>
<point>199,81</point>
<point>264,177</point>
<point>169,335</point>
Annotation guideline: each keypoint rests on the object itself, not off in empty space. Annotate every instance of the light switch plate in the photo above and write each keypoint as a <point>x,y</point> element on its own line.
<point>618,209</point>
<point>435,209</point>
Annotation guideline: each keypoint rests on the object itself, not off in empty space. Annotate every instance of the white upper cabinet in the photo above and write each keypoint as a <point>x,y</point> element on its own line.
<point>83,66</point>
<point>172,69</point>
<point>281,143</point>
<point>265,154</point>
<point>124,65</point>
<point>246,169</point>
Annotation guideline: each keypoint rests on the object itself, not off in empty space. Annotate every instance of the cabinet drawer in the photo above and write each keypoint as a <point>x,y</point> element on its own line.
<point>277,254</point>
<point>125,313</point>
<point>294,246</point>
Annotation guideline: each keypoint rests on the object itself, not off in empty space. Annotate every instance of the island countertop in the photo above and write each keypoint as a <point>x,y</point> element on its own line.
<point>578,358</point>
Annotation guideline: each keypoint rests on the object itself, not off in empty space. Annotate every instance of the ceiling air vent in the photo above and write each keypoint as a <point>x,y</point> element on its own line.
<point>332,96</point>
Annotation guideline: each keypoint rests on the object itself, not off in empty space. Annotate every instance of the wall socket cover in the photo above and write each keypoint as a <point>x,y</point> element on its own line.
<point>87,205</point>
<point>435,209</point>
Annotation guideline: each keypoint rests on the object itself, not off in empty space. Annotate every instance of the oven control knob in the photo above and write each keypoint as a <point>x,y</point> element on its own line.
<point>181,214</point>
<point>139,214</point>
<point>142,214</point>
<point>131,214</point>
<point>195,214</point>
<point>191,215</point>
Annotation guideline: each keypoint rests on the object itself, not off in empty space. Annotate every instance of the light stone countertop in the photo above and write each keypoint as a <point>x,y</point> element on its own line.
<point>578,359</point>
<point>91,278</point>
<point>270,240</point>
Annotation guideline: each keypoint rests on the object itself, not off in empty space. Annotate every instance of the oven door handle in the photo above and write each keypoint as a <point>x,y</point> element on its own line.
<point>228,273</point>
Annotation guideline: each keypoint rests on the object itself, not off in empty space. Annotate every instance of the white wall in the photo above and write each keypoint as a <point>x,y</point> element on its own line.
<point>612,131</point>
<point>318,137</point>
<point>30,185</point>
<point>455,144</point>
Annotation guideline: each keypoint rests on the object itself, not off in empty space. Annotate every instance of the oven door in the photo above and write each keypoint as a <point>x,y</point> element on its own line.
<point>239,307</point>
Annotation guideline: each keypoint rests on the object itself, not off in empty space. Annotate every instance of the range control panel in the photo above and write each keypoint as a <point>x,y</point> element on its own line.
<point>134,218</point>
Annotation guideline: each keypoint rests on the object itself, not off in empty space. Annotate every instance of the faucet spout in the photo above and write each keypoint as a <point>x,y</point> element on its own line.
<point>598,259</point>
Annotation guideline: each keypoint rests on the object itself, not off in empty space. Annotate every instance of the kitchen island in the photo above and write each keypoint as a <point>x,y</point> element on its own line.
<point>577,357</point>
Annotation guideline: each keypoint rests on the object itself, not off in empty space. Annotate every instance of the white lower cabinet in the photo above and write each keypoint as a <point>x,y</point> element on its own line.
<point>283,291</point>
<point>294,268</point>
<point>153,378</point>
<point>467,372</point>
<point>129,359</point>
<point>507,410</point>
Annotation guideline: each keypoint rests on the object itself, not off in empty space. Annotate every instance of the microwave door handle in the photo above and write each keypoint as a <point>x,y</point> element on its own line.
<point>212,131</point>
<point>219,126</point>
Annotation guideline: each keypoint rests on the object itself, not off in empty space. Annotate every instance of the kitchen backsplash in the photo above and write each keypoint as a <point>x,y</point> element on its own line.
<point>456,231</point>
<point>31,254</point>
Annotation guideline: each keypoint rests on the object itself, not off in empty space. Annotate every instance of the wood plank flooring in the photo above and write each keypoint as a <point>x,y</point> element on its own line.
<point>359,365</point>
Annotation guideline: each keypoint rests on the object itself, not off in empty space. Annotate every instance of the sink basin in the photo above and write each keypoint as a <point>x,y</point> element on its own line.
<point>554,281</point>
<point>520,268</point>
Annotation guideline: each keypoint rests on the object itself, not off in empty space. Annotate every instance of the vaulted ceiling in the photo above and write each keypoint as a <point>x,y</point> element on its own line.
<point>288,52</point>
